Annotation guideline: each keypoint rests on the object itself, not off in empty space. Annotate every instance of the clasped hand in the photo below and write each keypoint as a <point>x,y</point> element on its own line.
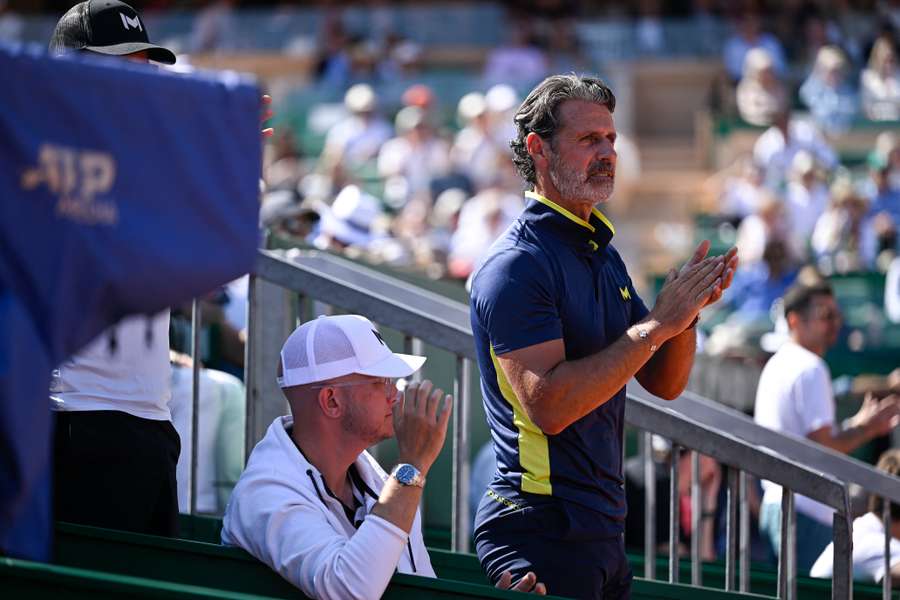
<point>699,283</point>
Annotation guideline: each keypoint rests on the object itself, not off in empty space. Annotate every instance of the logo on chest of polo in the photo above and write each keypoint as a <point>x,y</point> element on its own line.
<point>626,294</point>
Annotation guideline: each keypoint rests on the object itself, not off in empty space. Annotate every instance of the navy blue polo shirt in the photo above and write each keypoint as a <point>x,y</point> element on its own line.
<point>553,275</point>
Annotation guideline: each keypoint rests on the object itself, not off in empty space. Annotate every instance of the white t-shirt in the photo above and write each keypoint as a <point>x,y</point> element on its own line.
<point>794,396</point>
<point>220,435</point>
<point>868,552</point>
<point>133,379</point>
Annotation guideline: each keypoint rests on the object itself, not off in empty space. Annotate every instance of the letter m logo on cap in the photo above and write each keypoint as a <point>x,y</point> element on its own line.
<point>131,22</point>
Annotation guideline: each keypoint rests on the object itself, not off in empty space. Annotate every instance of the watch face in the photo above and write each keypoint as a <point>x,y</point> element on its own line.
<point>405,474</point>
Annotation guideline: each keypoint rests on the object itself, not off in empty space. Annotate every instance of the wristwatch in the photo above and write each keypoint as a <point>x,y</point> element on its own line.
<point>645,337</point>
<point>406,474</point>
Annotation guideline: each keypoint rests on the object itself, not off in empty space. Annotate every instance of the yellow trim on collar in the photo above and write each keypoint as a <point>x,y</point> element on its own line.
<point>560,210</point>
<point>603,218</point>
<point>569,215</point>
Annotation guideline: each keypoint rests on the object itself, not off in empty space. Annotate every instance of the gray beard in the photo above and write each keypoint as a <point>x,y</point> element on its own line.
<point>571,187</point>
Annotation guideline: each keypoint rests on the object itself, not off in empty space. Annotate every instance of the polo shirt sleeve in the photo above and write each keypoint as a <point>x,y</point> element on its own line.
<point>515,301</point>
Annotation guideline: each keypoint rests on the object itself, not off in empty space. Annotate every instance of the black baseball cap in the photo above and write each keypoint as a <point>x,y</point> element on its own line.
<point>106,27</point>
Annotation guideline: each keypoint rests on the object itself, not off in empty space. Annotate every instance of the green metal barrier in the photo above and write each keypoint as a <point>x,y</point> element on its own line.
<point>198,563</point>
<point>185,561</point>
<point>465,567</point>
<point>36,581</point>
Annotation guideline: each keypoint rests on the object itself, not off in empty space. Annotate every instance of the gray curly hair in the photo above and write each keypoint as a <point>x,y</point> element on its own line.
<point>540,112</point>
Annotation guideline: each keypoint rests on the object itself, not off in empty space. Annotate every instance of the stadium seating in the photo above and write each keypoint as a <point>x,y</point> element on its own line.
<point>171,562</point>
<point>205,564</point>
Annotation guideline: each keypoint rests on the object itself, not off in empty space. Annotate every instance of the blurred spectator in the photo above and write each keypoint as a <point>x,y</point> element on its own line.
<point>806,198</point>
<point>880,83</point>
<point>648,27</point>
<point>520,62</point>
<point>757,286</point>
<point>214,27</point>
<point>829,93</point>
<point>818,31</point>
<point>333,68</point>
<point>220,435</point>
<point>420,96</point>
<point>400,59</point>
<point>285,162</point>
<point>843,240</point>
<point>351,221</point>
<point>286,214</point>
<point>502,101</point>
<point>475,150</point>
<point>749,35</point>
<point>760,94</point>
<point>358,138</point>
<point>742,195</point>
<point>795,396</point>
<point>868,536</point>
<point>892,291</point>
<point>411,160</point>
<point>767,223</point>
<point>482,219</point>
<point>776,148</point>
<point>884,173</point>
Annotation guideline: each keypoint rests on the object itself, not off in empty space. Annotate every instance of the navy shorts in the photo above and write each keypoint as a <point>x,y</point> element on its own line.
<point>558,541</point>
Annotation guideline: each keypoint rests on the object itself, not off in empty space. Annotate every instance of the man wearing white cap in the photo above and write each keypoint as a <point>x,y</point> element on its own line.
<point>312,503</point>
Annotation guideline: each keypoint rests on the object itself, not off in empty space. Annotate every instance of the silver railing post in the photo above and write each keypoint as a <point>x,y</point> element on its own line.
<point>696,519</point>
<point>270,320</point>
<point>842,578</point>
<point>649,507</point>
<point>674,513</point>
<point>744,538</point>
<point>731,525</point>
<point>460,516</point>
<point>413,345</point>
<point>787,562</point>
<point>195,399</point>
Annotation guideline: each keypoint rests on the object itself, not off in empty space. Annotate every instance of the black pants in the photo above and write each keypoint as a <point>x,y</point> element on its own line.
<point>117,471</point>
<point>556,541</point>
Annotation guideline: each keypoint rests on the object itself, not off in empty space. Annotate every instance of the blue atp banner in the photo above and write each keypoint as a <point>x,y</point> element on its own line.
<point>123,189</point>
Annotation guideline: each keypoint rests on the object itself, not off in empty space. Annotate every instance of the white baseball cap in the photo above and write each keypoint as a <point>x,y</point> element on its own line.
<point>330,347</point>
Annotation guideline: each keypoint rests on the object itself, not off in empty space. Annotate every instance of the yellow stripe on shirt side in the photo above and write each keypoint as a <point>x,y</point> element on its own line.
<point>534,449</point>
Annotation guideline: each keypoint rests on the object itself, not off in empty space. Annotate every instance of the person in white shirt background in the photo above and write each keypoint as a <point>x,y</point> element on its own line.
<point>312,503</point>
<point>795,397</point>
<point>868,536</point>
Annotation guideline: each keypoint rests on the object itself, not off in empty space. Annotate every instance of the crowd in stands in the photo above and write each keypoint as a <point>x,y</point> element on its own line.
<point>397,182</point>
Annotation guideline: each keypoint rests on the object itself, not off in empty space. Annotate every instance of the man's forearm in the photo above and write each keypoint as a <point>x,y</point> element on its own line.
<point>398,503</point>
<point>848,439</point>
<point>666,373</point>
<point>572,389</point>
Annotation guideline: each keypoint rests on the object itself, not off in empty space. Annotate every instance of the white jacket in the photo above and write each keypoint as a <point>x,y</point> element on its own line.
<point>282,513</point>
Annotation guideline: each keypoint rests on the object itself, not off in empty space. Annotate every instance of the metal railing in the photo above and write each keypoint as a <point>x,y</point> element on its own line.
<point>422,315</point>
<point>843,467</point>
